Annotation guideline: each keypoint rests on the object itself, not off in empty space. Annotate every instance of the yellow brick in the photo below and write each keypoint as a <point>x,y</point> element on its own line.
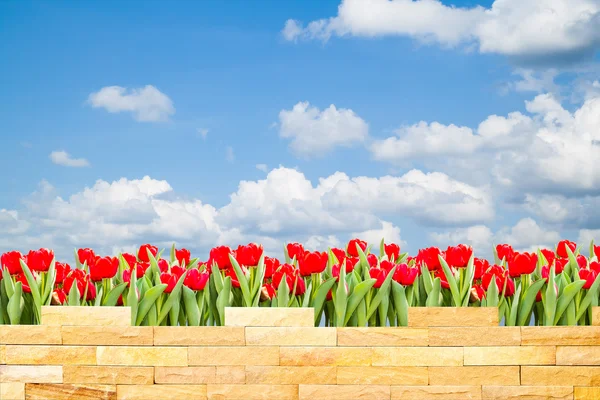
<point>185,375</point>
<point>548,376</point>
<point>382,375</point>
<point>289,375</point>
<point>436,392</point>
<point>142,356</point>
<point>452,316</point>
<point>596,316</point>
<point>343,392</point>
<point>252,392</point>
<point>161,392</point>
<point>108,375</point>
<point>290,336</point>
<point>527,392</point>
<point>374,337</point>
<point>12,391</point>
<point>418,356</point>
<point>2,354</point>
<point>323,356</point>
<point>266,316</point>
<point>233,355</point>
<point>510,355</point>
<point>45,391</point>
<point>479,375</point>
<point>30,334</point>
<point>57,315</point>
<point>108,335</point>
<point>31,373</point>
<point>198,336</point>
<point>578,355</point>
<point>475,336</point>
<point>587,393</point>
<point>50,355</point>
<point>231,374</point>
<point>560,335</point>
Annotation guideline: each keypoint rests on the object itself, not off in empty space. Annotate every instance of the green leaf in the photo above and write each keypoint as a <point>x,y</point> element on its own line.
<point>451,282</point>
<point>192,311</point>
<point>341,299</point>
<point>223,299</point>
<point>35,289</point>
<point>74,295</point>
<point>173,298</point>
<point>147,301</point>
<point>514,308</point>
<point>283,293</point>
<point>306,300</point>
<point>400,303</point>
<point>243,280</point>
<point>132,300</point>
<point>591,294</point>
<point>528,301</point>
<point>383,291</point>
<point>549,299</point>
<point>357,296</point>
<point>50,277</point>
<point>217,277</point>
<point>427,280</point>
<point>14,304</point>
<point>382,249</point>
<point>113,296</point>
<point>173,258</point>
<point>492,295</point>
<point>465,290</point>
<point>321,296</point>
<point>433,298</point>
<point>98,298</point>
<point>258,281</point>
<point>566,297</point>
<point>9,285</point>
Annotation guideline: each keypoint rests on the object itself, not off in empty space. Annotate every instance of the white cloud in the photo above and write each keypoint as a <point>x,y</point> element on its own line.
<point>63,158</point>
<point>229,155</point>
<point>202,132</point>
<point>148,104</point>
<point>262,167</point>
<point>314,132</point>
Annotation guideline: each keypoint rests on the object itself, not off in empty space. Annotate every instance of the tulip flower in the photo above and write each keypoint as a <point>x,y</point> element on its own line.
<point>596,251</point>
<point>480,265</point>
<point>589,276</point>
<point>429,257</point>
<point>292,277</point>
<point>559,264</point>
<point>248,255</point>
<point>143,252</point>
<point>220,256</point>
<point>581,261</point>
<point>40,260</point>
<point>271,265</point>
<point>522,264</point>
<point>340,254</point>
<point>183,256</point>
<point>195,279</point>
<point>267,292</point>
<point>352,250</point>
<point>392,251</point>
<point>549,255</point>
<point>83,282</point>
<point>62,270</point>
<point>104,267</point>
<point>170,280</point>
<point>11,261</point>
<point>458,256</point>
<point>130,259</point>
<point>561,248</point>
<point>86,256</point>
<point>505,252</point>
<point>312,263</point>
<point>372,260</point>
<point>405,275</point>
<point>163,265</point>
<point>295,250</point>
<point>378,274</point>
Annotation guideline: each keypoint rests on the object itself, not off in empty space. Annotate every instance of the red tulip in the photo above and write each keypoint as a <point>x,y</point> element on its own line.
<point>499,274</point>
<point>429,257</point>
<point>505,252</point>
<point>479,292</point>
<point>549,255</point>
<point>143,252</point>
<point>267,292</point>
<point>86,256</point>
<point>312,263</point>
<point>292,277</point>
<point>350,263</point>
<point>271,265</point>
<point>595,266</point>
<point>522,264</point>
<point>83,282</point>
<point>23,279</point>
<point>163,265</point>
<point>59,296</point>
<point>340,254</point>
<point>458,256</point>
<point>40,260</point>
<point>220,255</point>
<point>130,259</point>
<point>559,264</point>
<point>405,275</point>
<point>439,273</point>
<point>372,260</point>
<point>581,261</point>
<point>62,270</point>
<point>141,268</point>
<point>170,280</point>
<point>104,267</point>
<point>392,251</point>
<point>195,279</point>
<point>481,265</point>
<point>352,246</point>
<point>561,249</point>
<point>11,261</point>
<point>589,276</point>
<point>183,256</point>
<point>249,255</point>
<point>234,279</point>
<point>379,274</point>
<point>295,250</point>
<point>596,252</point>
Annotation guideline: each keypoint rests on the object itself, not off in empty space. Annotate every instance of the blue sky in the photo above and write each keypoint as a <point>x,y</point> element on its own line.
<point>237,70</point>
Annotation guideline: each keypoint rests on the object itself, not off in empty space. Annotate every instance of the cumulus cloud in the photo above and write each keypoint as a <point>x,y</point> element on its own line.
<point>63,158</point>
<point>147,104</point>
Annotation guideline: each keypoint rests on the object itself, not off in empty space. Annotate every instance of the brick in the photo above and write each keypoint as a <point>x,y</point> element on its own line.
<point>375,337</point>
<point>12,391</point>
<point>479,375</point>
<point>510,355</point>
<point>108,376</point>
<point>66,315</point>
<point>108,335</point>
<point>161,392</point>
<point>586,393</point>
<point>324,356</point>
<point>290,336</point>
<point>436,392</point>
<point>185,375</point>
<point>198,336</point>
<point>578,355</point>
<point>2,354</point>
<point>596,316</point>
<point>252,392</point>
<point>560,335</point>
<point>382,375</point>
<point>50,355</point>
<point>418,356</point>
<point>475,336</point>
<point>30,334</point>
<point>142,356</point>
<point>231,374</point>
<point>45,391</point>
<point>343,392</point>
<point>266,316</point>
<point>548,376</point>
<point>31,373</point>
<point>233,355</point>
<point>527,392</point>
<point>290,375</point>
<point>452,316</point>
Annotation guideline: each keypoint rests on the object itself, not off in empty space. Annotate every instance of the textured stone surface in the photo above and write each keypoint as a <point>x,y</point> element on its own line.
<point>56,315</point>
<point>233,355</point>
<point>586,393</point>
<point>161,392</point>
<point>320,356</point>
<point>479,375</point>
<point>112,375</point>
<point>108,335</point>
<point>382,375</point>
<point>344,392</point>
<point>475,336</point>
<point>50,355</point>
<point>2,354</point>
<point>31,373</point>
<point>290,375</point>
<point>12,391</point>
<point>510,355</point>
<point>452,316</point>
<point>436,392</point>
<point>252,392</point>
<point>374,337</point>
<point>185,375</point>
<point>198,336</point>
<point>418,356</point>
<point>46,391</point>
<point>560,335</point>
<point>262,316</point>
<point>527,392</point>
<point>231,374</point>
<point>548,376</point>
<point>30,334</point>
<point>290,336</point>
<point>596,316</point>
<point>142,356</point>
<point>578,355</point>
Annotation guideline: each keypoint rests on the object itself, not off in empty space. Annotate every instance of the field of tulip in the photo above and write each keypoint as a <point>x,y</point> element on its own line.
<point>346,287</point>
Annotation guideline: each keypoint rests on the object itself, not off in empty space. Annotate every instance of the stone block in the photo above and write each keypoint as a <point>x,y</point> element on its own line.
<point>510,355</point>
<point>586,393</point>
<point>83,315</point>
<point>418,356</point>
<point>268,355</point>
<point>31,373</point>
<point>578,355</point>
<point>596,316</point>
<point>252,392</point>
<point>527,392</point>
<point>475,336</point>
<point>266,316</point>
<point>479,375</point>
<point>2,354</point>
<point>325,356</point>
<point>198,336</point>
<point>452,316</point>
<point>50,355</point>
<point>161,392</point>
<point>46,391</point>
<point>343,392</point>
<point>290,375</point>
<point>436,392</point>
<point>382,375</point>
<point>231,374</point>
<point>386,337</point>
<point>142,356</point>
<point>113,375</point>
<point>108,335</point>
<point>290,336</point>
<point>12,391</point>
<point>30,334</point>
<point>568,376</point>
<point>185,375</point>
<point>560,335</point>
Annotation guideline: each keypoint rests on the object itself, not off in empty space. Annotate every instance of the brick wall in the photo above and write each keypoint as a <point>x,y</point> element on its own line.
<point>276,354</point>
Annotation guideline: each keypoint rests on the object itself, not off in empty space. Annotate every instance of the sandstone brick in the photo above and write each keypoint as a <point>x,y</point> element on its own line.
<point>31,373</point>
<point>252,392</point>
<point>198,336</point>
<point>475,336</point>
<point>234,355</point>
<point>50,355</point>
<point>527,392</point>
<point>30,334</point>
<point>452,316</point>
<point>108,376</point>
<point>382,375</point>
<point>375,337</point>
<point>596,316</point>
<point>266,316</point>
<point>586,393</point>
<point>343,392</point>
<point>510,355</point>
<point>2,354</point>
<point>551,375</point>
<point>108,335</point>
<point>578,355</point>
<point>231,374</point>
<point>12,391</point>
<point>436,392</point>
<point>161,392</point>
<point>57,315</point>
<point>418,356</point>
<point>479,375</point>
<point>290,336</point>
<point>290,375</point>
<point>323,356</point>
<point>46,391</point>
<point>185,375</point>
<point>142,356</point>
<point>560,335</point>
